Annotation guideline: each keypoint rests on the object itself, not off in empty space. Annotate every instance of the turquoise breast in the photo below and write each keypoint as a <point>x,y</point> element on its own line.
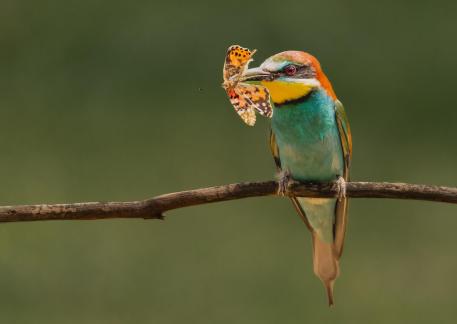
<point>308,139</point>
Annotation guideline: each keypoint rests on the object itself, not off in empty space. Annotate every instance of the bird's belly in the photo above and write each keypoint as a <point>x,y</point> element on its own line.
<point>319,161</point>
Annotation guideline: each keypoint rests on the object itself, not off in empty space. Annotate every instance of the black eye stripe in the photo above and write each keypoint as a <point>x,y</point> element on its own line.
<point>298,67</point>
<point>303,71</point>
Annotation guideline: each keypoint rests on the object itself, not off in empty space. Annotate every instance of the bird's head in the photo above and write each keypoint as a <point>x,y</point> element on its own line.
<point>290,76</point>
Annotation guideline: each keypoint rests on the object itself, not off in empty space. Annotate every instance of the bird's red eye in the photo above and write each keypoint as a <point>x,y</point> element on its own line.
<point>290,70</point>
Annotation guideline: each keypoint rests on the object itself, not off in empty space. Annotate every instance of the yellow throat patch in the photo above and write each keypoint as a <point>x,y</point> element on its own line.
<point>282,91</point>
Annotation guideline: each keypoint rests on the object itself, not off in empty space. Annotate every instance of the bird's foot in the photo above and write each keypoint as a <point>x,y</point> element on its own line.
<point>284,180</point>
<point>341,184</point>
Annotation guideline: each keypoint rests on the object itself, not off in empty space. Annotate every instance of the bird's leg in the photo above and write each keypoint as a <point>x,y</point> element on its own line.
<point>341,183</point>
<point>284,179</point>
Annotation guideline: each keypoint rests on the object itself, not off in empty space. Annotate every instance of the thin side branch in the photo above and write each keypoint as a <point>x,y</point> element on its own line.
<point>154,208</point>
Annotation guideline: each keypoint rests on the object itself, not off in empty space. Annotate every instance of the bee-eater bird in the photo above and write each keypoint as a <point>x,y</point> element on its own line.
<point>311,141</point>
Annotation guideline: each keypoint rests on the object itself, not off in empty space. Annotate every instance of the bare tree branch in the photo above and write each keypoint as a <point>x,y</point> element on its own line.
<point>155,207</point>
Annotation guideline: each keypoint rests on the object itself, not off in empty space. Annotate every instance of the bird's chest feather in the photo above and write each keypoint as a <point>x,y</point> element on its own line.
<point>308,138</point>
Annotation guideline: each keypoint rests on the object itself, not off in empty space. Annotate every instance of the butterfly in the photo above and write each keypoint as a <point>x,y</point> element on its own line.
<point>245,98</point>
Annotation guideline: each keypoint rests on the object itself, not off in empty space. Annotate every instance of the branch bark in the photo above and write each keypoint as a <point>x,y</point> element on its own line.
<point>154,208</point>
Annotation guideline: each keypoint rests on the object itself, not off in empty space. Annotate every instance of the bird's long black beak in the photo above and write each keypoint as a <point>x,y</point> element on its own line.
<point>256,74</point>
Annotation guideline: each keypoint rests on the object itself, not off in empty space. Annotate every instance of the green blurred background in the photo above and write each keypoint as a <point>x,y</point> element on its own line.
<point>117,100</point>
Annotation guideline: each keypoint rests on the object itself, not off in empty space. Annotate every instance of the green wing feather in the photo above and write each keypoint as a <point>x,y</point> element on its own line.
<point>342,205</point>
<point>275,150</point>
<point>345,134</point>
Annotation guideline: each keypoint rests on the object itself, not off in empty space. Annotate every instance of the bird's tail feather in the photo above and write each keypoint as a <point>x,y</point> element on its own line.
<point>326,265</point>
<point>325,255</point>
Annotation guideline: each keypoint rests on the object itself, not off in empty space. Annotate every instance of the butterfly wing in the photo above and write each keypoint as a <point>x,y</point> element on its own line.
<point>242,106</point>
<point>236,61</point>
<point>258,97</point>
